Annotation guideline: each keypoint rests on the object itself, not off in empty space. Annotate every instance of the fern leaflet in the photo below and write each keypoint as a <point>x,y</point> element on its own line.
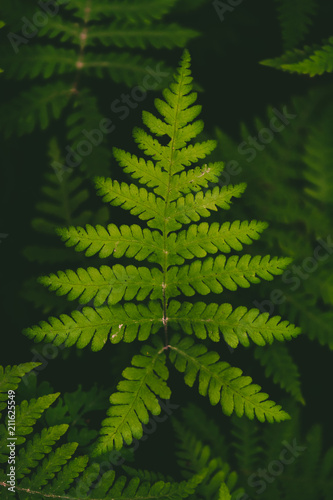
<point>311,60</point>
<point>222,383</point>
<point>136,395</point>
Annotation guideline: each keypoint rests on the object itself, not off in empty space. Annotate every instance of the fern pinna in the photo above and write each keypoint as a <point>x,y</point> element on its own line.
<point>175,198</point>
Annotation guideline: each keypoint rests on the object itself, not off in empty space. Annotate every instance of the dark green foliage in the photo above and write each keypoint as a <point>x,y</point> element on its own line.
<point>65,194</point>
<point>315,59</point>
<point>311,60</point>
<point>272,464</point>
<point>74,51</point>
<point>295,185</point>
<point>295,18</point>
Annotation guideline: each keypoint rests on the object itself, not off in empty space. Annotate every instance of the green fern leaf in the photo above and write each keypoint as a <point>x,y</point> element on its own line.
<point>135,396</point>
<point>36,107</point>
<point>37,448</point>
<point>27,413</point>
<point>51,465</point>
<point>120,322</point>
<point>222,383</point>
<point>68,473</point>
<point>237,326</point>
<point>192,207</point>
<point>213,275</point>
<point>201,239</point>
<point>145,171</point>
<point>295,18</point>
<point>131,241</point>
<point>138,201</point>
<point>311,60</point>
<point>106,283</point>
<point>194,179</point>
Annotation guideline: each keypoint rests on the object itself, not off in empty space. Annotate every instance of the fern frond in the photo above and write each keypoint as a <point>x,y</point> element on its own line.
<point>135,396</point>
<point>198,240</point>
<point>143,36</point>
<point>27,413</point>
<point>10,378</point>
<point>165,211</point>
<point>51,465</point>
<point>213,275</point>
<point>106,283</point>
<point>295,18</point>
<point>119,322</point>
<point>68,473</point>
<point>39,60</point>
<point>36,107</point>
<point>237,326</point>
<point>37,448</point>
<point>222,383</point>
<point>128,9</point>
<point>131,241</point>
<point>279,364</point>
<point>311,60</point>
